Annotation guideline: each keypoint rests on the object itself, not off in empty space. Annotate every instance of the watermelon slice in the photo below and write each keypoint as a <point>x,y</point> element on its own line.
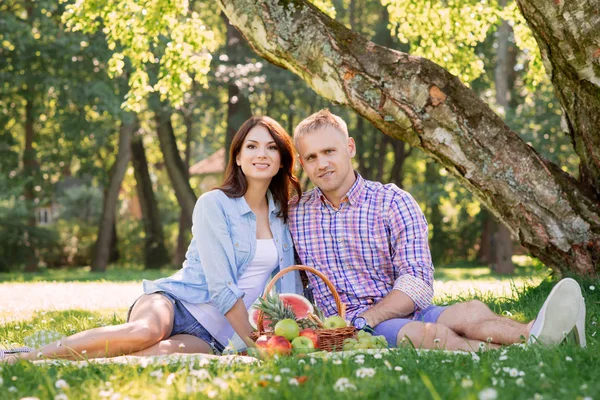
<point>298,303</point>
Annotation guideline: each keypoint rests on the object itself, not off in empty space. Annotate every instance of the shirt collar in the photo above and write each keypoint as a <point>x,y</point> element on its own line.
<point>244,208</point>
<point>352,196</point>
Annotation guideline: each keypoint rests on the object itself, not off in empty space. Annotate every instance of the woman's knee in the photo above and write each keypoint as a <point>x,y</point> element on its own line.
<point>146,334</point>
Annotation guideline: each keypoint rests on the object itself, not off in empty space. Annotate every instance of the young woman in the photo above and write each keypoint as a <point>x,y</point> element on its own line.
<point>240,236</point>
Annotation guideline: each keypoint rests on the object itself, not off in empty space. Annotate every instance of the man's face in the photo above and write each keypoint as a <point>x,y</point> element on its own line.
<point>326,155</point>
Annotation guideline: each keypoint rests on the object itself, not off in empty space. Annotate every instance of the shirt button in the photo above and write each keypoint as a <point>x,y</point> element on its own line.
<point>229,283</point>
<point>281,260</point>
<point>340,240</point>
<point>237,245</point>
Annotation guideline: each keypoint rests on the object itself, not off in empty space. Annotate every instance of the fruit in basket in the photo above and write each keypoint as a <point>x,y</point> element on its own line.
<point>349,344</point>
<point>363,334</point>
<point>262,341</point>
<point>364,341</point>
<point>334,322</point>
<point>312,335</point>
<point>288,328</point>
<point>302,344</point>
<point>280,306</point>
<point>279,345</point>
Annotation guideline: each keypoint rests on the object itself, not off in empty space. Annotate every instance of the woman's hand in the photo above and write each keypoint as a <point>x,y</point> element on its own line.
<point>238,318</point>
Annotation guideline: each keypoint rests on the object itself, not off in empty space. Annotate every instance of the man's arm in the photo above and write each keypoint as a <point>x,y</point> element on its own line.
<point>395,305</point>
<point>411,257</point>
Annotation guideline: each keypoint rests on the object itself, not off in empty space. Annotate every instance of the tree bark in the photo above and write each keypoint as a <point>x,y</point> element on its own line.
<point>176,169</point>
<point>568,35</point>
<point>155,253</point>
<point>413,99</point>
<point>102,247</point>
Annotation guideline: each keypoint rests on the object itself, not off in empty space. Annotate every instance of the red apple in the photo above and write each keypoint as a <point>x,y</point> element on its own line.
<point>312,335</point>
<point>262,342</point>
<point>279,345</point>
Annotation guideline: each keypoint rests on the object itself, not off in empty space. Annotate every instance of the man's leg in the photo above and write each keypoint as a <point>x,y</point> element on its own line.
<point>556,319</point>
<point>425,335</point>
<point>474,320</point>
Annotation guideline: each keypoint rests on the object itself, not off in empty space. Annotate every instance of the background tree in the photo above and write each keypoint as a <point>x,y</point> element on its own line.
<point>554,216</point>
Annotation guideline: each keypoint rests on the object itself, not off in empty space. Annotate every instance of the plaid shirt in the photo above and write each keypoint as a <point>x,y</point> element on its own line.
<point>376,241</point>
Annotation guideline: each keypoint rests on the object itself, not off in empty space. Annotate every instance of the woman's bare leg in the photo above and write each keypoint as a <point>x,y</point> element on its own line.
<point>176,344</point>
<point>151,321</point>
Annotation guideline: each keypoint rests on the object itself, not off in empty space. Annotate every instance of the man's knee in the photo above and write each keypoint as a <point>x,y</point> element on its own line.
<point>424,335</point>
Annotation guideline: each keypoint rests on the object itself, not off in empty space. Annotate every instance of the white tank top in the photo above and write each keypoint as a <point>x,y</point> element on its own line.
<point>252,283</point>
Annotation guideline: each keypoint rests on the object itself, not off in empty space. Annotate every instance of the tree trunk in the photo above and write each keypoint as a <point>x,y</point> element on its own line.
<point>176,169</point>
<point>238,106</point>
<point>359,136</point>
<point>400,156</point>
<point>30,174</point>
<point>155,253</point>
<point>102,247</point>
<point>567,33</point>
<point>381,156</point>
<point>410,98</point>
<point>438,237</point>
<point>185,225</point>
<point>485,254</point>
<point>503,249</point>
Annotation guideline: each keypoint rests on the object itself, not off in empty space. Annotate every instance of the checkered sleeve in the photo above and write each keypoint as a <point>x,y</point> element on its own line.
<point>411,256</point>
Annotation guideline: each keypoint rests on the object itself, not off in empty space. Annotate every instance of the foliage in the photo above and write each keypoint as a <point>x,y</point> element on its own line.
<point>447,33</point>
<point>167,34</point>
<point>18,238</point>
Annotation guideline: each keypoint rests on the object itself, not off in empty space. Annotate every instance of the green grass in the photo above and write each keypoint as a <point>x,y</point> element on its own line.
<point>84,274</point>
<point>565,372</point>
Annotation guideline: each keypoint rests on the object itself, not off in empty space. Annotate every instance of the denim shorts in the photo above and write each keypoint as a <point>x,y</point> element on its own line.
<point>391,327</point>
<point>185,323</point>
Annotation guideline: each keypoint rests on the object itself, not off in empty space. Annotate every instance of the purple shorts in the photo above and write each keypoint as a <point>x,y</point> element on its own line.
<point>391,327</point>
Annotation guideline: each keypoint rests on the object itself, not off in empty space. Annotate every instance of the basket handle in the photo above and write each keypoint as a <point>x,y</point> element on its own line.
<point>336,296</point>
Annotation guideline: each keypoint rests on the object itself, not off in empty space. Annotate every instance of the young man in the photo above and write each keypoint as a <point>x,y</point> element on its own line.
<point>371,241</point>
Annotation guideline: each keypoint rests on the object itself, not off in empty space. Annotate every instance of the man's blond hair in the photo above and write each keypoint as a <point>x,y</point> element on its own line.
<point>319,120</point>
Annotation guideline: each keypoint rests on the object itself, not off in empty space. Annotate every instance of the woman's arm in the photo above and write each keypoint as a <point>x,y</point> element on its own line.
<point>238,318</point>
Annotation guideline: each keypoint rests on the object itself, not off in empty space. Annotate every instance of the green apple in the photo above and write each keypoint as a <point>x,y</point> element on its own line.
<point>333,322</point>
<point>288,328</point>
<point>302,344</point>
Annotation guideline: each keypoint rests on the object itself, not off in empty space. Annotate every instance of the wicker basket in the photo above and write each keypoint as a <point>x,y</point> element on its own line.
<point>329,339</point>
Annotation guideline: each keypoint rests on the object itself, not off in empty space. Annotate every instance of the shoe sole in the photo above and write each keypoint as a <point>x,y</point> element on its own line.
<point>561,311</point>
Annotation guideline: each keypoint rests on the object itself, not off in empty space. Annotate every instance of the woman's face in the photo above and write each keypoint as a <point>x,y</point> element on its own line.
<point>259,156</point>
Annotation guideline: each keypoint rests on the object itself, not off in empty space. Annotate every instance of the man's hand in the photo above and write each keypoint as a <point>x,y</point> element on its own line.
<point>396,304</point>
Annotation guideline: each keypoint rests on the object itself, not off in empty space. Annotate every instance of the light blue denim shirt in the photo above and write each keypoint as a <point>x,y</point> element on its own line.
<point>222,246</point>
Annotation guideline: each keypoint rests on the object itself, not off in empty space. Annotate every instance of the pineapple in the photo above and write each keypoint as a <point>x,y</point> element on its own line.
<point>275,310</point>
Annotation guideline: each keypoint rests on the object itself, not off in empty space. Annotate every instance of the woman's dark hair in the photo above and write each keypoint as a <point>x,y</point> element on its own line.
<point>235,183</point>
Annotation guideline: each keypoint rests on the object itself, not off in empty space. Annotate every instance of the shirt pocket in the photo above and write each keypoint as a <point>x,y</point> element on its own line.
<point>241,250</point>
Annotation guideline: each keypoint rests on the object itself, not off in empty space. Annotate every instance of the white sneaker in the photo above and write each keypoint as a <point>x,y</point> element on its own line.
<point>558,315</point>
<point>579,330</point>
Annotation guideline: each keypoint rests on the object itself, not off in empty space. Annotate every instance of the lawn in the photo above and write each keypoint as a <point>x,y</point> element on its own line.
<point>565,372</point>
